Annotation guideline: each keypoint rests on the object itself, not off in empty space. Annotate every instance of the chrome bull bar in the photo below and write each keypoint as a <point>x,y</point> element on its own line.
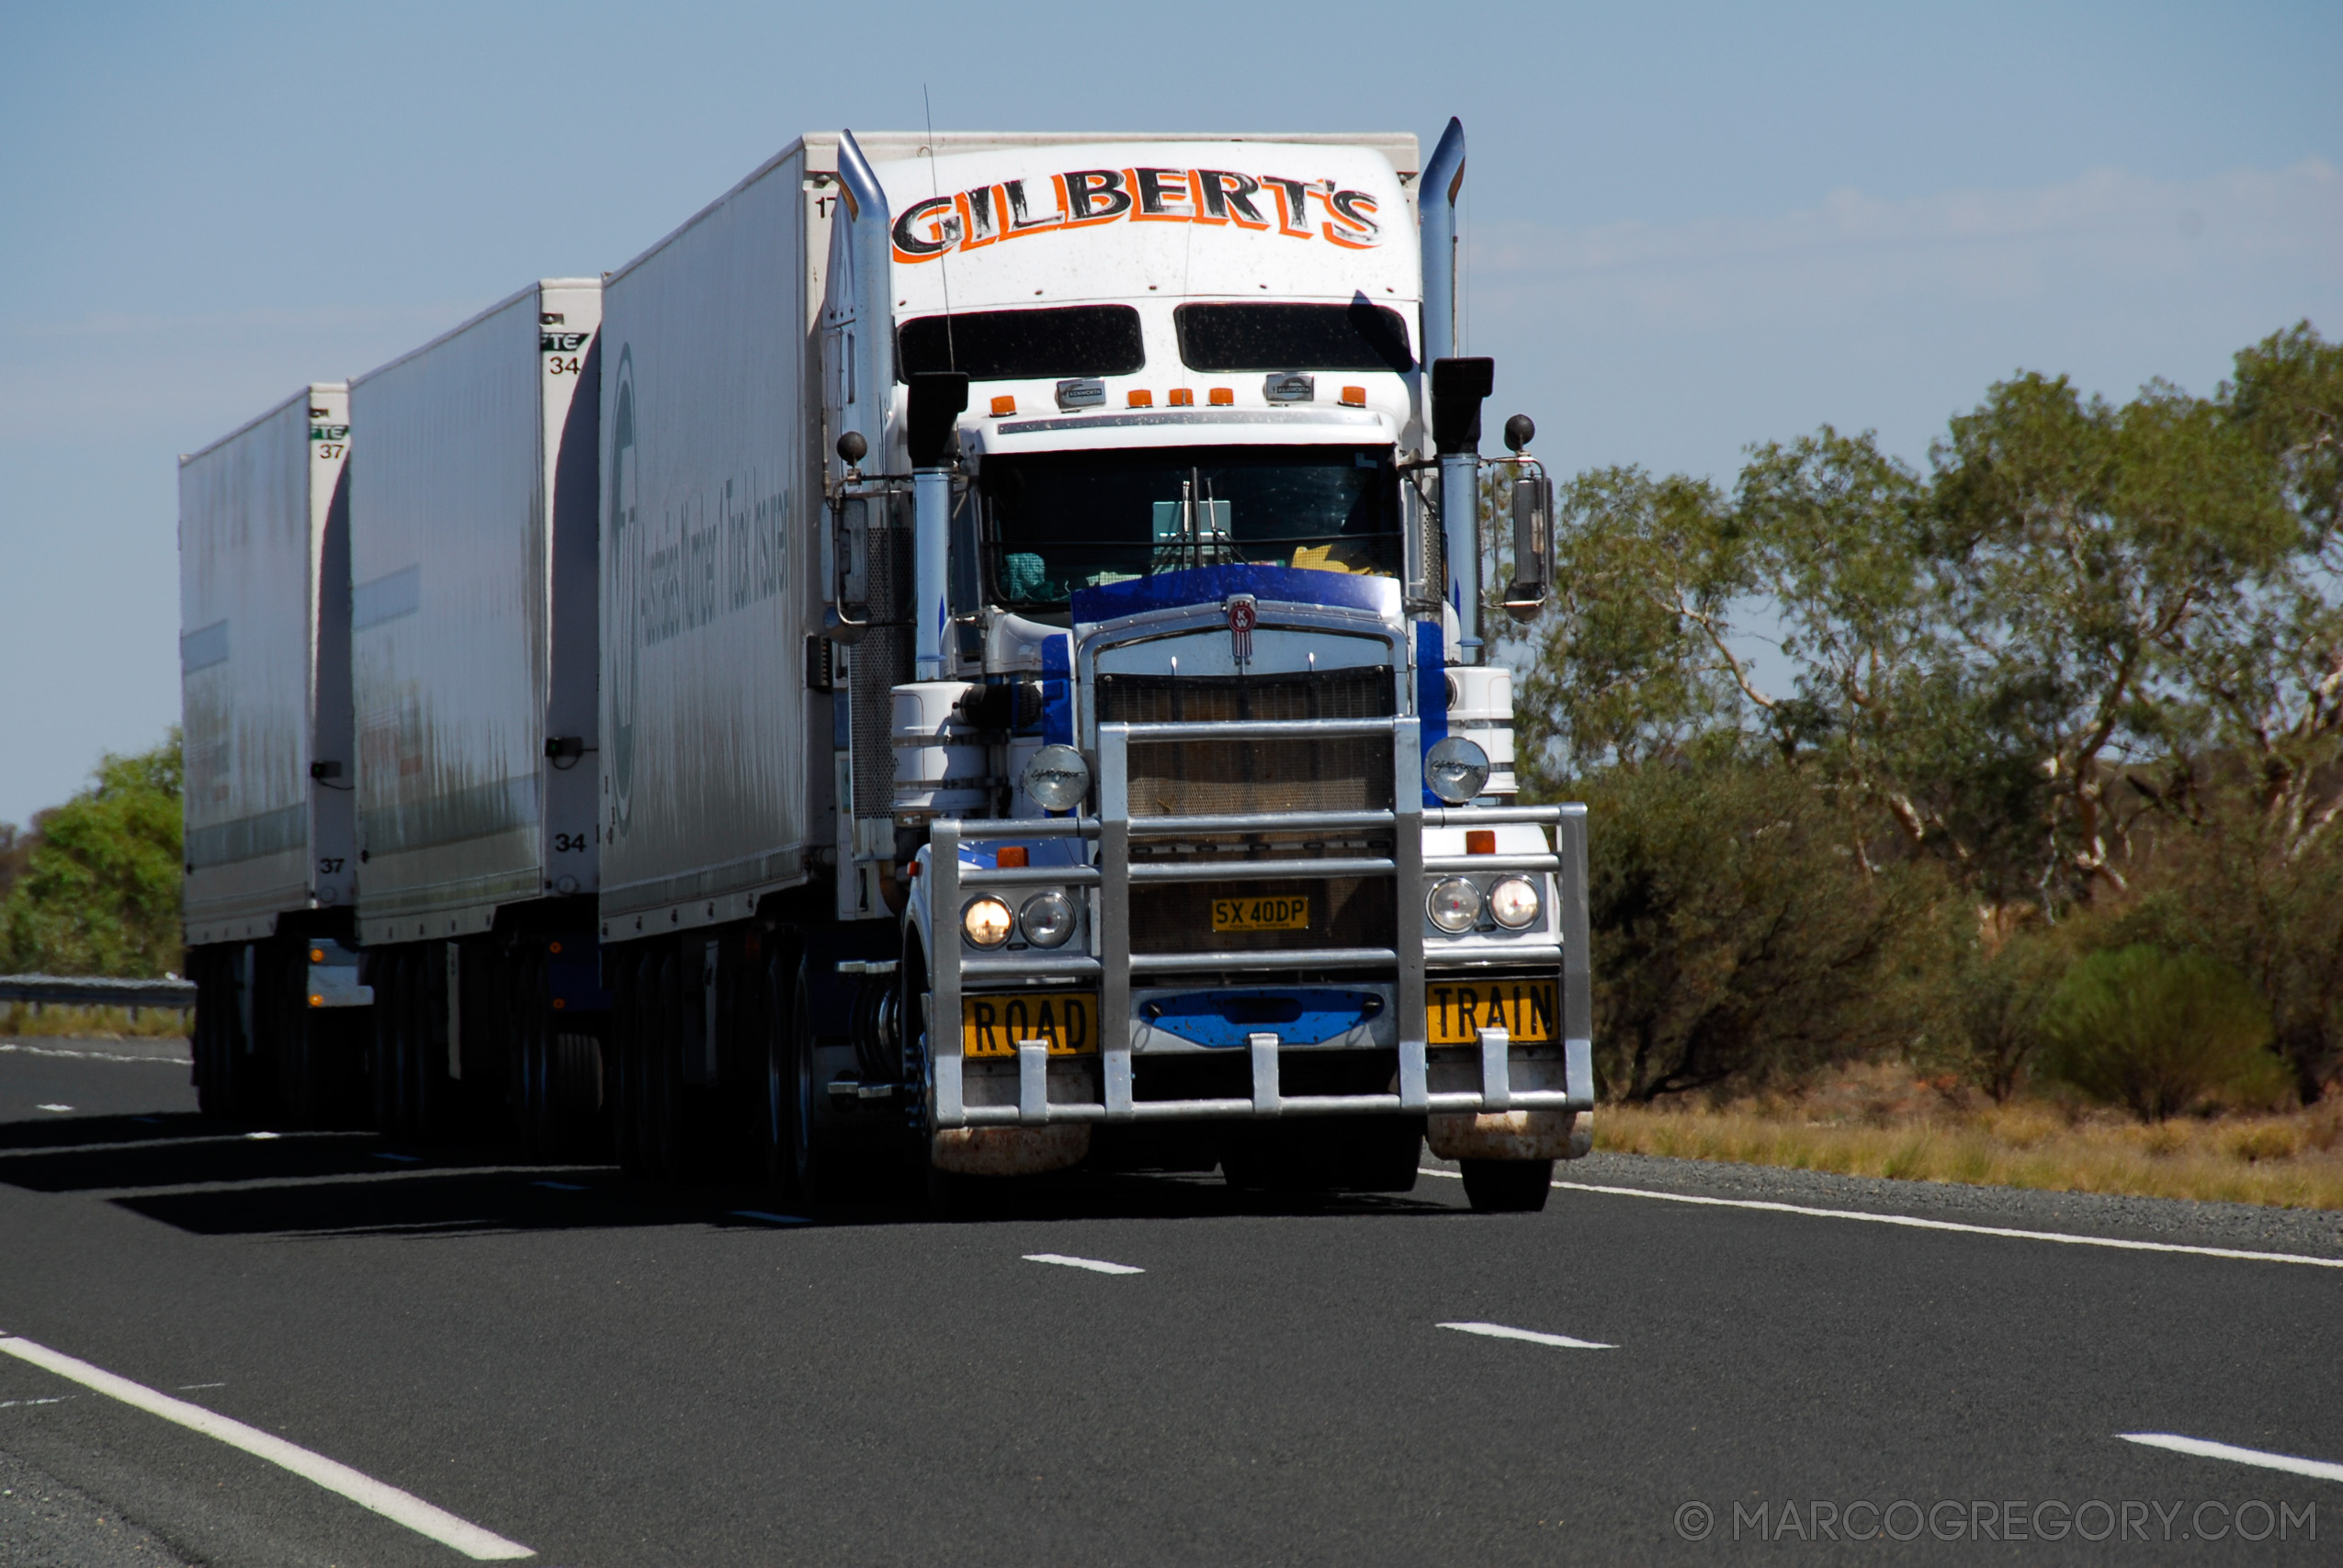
<point>1112,965</point>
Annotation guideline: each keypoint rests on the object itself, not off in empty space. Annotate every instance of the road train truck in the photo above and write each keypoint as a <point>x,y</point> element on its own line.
<point>1044,717</point>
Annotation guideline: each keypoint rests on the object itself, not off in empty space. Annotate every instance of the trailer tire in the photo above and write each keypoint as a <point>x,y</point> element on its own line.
<point>626,1070</point>
<point>218,1042</point>
<point>813,1166</point>
<point>1508,1186</point>
<point>383,972</point>
<point>431,1091</point>
<point>662,1132</point>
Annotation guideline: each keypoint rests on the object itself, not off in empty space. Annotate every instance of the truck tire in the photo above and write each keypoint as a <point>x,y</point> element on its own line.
<point>527,1077</point>
<point>385,972</point>
<point>1508,1186</point>
<point>626,1074</point>
<point>218,1048</point>
<point>660,1134</point>
<point>813,1164</point>
<point>431,1098</point>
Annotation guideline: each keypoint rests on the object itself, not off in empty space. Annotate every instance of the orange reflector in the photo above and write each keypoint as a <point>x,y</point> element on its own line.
<point>559,1004</point>
<point>553,947</point>
<point>1182,398</point>
<point>317,1001</point>
<point>317,955</point>
<point>1480,842</point>
<point>1141,399</point>
<point>1010,855</point>
<point>1221,397</point>
<point>1002,404</point>
<point>1354,397</point>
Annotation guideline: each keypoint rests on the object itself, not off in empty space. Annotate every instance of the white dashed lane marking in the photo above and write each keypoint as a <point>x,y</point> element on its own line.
<point>1094,1265</point>
<point>403,1508</point>
<point>53,1108</point>
<point>1912,1222</point>
<point>2318,1469</point>
<point>1498,1331</point>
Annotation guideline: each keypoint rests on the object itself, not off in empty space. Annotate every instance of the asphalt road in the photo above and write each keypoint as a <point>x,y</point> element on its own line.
<point>615,1374</point>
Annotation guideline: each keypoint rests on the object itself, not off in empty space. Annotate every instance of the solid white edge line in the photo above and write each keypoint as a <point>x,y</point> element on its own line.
<point>1498,1331</point>
<point>1915,1222</point>
<point>2317,1469</point>
<point>1093,1264</point>
<point>403,1508</point>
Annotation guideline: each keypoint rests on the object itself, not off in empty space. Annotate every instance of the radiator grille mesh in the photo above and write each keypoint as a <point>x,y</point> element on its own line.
<point>1178,778</point>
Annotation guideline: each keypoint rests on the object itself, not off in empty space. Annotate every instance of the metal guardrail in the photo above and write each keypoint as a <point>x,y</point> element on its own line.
<point>92,991</point>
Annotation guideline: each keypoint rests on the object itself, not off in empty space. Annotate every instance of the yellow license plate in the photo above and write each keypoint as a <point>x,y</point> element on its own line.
<point>991,1025</point>
<point>1455,1012</point>
<point>1278,913</point>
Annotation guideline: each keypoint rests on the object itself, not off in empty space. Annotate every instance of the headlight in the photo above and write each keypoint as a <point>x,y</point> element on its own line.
<point>1513,902</point>
<point>1057,778</point>
<point>1047,918</point>
<point>986,921</point>
<point>1454,905</point>
<point>1456,770</point>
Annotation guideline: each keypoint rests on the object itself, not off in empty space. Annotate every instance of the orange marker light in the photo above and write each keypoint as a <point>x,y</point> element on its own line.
<point>1003,404</point>
<point>553,947</point>
<point>1010,855</point>
<point>559,1004</point>
<point>317,1001</point>
<point>1480,842</point>
<point>317,955</point>
<point>1354,397</point>
<point>1182,398</point>
<point>1140,399</point>
<point>1221,397</point>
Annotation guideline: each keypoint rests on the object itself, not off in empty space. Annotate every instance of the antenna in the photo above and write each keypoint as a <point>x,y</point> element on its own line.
<point>943,263</point>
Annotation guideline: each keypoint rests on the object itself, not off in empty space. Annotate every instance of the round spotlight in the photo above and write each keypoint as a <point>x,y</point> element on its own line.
<point>1456,770</point>
<point>1057,778</point>
<point>1047,918</point>
<point>1513,902</point>
<point>986,921</point>
<point>1454,905</point>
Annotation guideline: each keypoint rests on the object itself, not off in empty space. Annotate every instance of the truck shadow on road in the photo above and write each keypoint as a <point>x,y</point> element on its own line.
<point>200,1176</point>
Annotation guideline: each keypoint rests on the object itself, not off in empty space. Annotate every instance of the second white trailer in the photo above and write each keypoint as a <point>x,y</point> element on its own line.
<point>474,615</point>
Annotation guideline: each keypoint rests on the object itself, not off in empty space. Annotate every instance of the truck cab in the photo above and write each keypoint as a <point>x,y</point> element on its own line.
<point>1156,532</point>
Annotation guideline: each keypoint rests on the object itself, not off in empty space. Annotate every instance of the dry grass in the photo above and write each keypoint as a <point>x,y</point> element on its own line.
<point>1878,1122</point>
<point>20,1020</point>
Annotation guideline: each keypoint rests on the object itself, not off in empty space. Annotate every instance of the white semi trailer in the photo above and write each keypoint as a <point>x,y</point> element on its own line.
<point>1038,577</point>
<point>473,658</point>
<point>264,698</point>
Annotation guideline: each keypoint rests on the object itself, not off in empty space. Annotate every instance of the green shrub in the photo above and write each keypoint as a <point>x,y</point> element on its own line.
<point>1739,939</point>
<point>2160,1032</point>
<point>99,893</point>
<point>1984,1026</point>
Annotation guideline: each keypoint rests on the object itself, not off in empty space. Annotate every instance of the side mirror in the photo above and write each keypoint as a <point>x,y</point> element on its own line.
<point>1532,527</point>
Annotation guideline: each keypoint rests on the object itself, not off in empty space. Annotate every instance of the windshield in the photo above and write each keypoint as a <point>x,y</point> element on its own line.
<point>1057,521</point>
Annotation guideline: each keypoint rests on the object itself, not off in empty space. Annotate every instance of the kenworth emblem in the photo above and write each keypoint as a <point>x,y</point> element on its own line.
<point>1242,617</point>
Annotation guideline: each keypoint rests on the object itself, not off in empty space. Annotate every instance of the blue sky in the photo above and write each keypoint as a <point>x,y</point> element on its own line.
<point>1692,227</point>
